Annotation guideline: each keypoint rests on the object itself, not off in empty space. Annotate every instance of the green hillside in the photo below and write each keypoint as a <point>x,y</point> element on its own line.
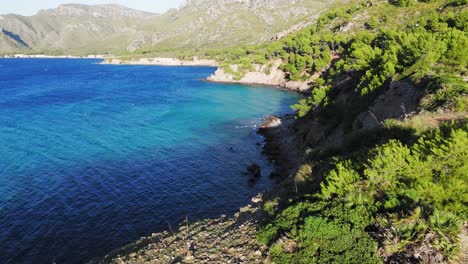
<point>383,137</point>
<point>82,29</point>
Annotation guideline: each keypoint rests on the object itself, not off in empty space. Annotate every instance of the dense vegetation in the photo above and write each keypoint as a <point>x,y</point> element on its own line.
<point>399,192</point>
<point>426,41</point>
<point>401,198</point>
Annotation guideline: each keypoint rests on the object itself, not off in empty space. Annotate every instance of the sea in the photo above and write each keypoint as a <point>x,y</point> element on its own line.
<point>93,156</point>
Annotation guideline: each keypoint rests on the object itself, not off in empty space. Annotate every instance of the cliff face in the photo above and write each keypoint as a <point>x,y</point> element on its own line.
<point>76,28</point>
<point>269,74</point>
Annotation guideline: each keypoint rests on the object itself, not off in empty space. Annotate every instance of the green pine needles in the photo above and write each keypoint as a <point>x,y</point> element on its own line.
<point>404,199</point>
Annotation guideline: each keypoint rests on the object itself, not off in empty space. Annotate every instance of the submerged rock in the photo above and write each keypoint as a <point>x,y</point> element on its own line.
<point>255,170</point>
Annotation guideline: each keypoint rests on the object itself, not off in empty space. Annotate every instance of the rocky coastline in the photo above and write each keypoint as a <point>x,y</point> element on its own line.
<point>226,239</point>
<point>269,74</point>
<point>219,240</point>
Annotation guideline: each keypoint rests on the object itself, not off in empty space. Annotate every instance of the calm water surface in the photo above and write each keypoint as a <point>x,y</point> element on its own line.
<point>93,157</point>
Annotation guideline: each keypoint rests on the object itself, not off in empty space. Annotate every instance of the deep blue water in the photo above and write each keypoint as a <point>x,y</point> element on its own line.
<point>92,157</point>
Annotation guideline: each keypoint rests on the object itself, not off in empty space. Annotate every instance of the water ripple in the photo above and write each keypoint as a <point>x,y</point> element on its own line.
<point>94,156</point>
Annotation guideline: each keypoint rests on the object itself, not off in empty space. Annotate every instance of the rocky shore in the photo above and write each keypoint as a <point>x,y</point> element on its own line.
<point>224,239</point>
<point>281,145</point>
<point>162,62</point>
<point>269,74</point>
<point>221,240</point>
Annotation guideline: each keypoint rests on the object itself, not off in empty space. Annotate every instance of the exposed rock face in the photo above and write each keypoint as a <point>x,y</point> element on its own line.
<point>158,37</point>
<point>246,3</point>
<point>272,121</point>
<point>398,101</point>
<point>296,27</point>
<point>103,11</point>
<point>269,74</point>
<point>136,44</point>
<point>222,240</point>
<point>262,75</point>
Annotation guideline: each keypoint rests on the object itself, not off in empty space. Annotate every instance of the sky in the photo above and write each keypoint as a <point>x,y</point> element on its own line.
<point>30,7</point>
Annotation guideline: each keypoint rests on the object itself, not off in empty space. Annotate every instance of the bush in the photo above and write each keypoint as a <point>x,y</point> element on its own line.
<point>411,192</point>
<point>402,3</point>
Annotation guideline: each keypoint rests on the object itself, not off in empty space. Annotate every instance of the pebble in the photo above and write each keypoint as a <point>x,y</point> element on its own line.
<point>224,240</point>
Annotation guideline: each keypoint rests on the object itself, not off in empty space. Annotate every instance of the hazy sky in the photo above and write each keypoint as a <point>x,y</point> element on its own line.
<point>30,7</point>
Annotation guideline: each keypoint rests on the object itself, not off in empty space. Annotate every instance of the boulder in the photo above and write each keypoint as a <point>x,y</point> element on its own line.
<point>255,170</point>
<point>271,121</point>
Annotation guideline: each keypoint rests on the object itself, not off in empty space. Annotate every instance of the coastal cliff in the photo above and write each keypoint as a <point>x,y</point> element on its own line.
<point>267,74</point>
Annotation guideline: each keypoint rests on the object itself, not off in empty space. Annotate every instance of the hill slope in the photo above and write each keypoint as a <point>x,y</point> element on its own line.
<point>373,166</point>
<point>382,138</point>
<point>74,28</point>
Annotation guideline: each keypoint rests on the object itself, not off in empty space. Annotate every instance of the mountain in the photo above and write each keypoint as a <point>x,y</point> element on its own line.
<point>76,28</point>
<point>72,27</point>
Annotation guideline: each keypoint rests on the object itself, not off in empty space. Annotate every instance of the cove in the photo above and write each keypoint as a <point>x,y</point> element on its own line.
<point>93,157</point>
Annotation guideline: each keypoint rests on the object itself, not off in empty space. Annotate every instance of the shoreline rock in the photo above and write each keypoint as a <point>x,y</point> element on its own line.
<point>226,239</point>
<point>266,75</point>
<point>255,170</point>
<point>219,240</point>
<point>270,75</point>
<point>281,145</point>
<point>271,121</point>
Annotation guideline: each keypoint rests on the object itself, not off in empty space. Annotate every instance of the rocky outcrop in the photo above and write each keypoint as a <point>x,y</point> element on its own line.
<point>269,74</point>
<point>102,11</point>
<point>281,144</point>
<point>255,170</point>
<point>221,240</point>
<point>271,122</point>
<point>399,101</point>
<point>296,27</point>
<point>136,44</point>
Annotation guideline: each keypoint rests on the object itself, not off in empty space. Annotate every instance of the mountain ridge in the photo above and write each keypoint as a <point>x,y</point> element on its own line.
<point>74,9</point>
<point>90,29</point>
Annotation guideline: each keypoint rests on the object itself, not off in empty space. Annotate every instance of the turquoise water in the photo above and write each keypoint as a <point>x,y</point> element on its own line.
<point>93,156</point>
